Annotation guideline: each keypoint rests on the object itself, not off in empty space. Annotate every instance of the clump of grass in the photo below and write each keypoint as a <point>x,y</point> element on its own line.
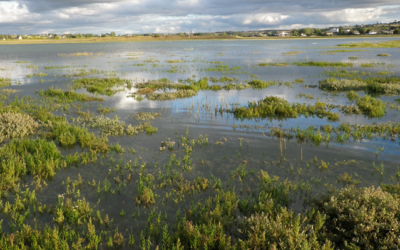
<point>276,107</point>
<point>174,61</point>
<point>102,86</point>
<point>143,116</point>
<point>384,54</point>
<point>263,230</point>
<point>9,91</point>
<point>5,82</point>
<point>306,96</point>
<point>386,44</point>
<point>372,64</point>
<point>274,64</point>
<point>57,67</point>
<point>111,127</point>
<point>352,96</point>
<point>345,50</point>
<point>162,83</point>
<point>225,79</point>
<point>353,57</point>
<point>68,135</point>
<point>237,86</point>
<point>144,91</point>
<point>83,72</point>
<point>103,110</point>
<point>259,84</point>
<point>171,95</point>
<point>385,85</point>
<point>334,84</point>
<point>323,64</point>
<point>293,53</point>
<point>28,157</point>
<point>16,125</point>
<point>378,210</point>
<point>41,74</point>
<point>215,87</point>
<point>68,95</point>
<point>298,80</point>
<point>371,107</point>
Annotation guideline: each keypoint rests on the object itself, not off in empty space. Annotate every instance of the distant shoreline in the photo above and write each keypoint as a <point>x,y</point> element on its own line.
<point>178,38</point>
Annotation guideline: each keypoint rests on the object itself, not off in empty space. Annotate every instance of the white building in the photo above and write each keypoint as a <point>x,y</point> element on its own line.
<point>372,33</point>
<point>334,30</point>
<point>283,33</point>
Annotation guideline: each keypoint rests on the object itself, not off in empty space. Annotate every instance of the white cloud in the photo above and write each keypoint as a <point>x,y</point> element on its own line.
<point>12,11</point>
<point>144,16</point>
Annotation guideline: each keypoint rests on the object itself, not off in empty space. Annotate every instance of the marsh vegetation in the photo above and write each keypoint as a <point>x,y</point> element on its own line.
<point>229,146</point>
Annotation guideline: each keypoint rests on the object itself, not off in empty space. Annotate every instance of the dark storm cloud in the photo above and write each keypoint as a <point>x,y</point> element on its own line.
<point>96,16</point>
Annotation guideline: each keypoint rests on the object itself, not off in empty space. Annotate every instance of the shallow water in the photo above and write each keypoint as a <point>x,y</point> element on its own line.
<point>197,114</point>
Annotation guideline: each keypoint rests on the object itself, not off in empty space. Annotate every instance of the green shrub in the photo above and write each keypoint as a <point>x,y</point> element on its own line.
<point>334,84</point>
<point>283,231</point>
<point>259,84</point>
<point>365,218</point>
<point>16,125</point>
<point>371,107</point>
<point>27,157</point>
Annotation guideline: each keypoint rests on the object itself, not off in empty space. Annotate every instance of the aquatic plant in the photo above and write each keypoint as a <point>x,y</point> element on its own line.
<point>68,95</point>
<point>292,53</point>
<point>143,116</point>
<point>386,85</point>
<point>385,44</point>
<point>102,86</point>
<point>378,211</point>
<point>171,95</point>
<point>371,107</point>
<point>16,125</point>
<point>174,61</point>
<point>384,54</point>
<point>28,157</point>
<point>334,84</point>
<point>323,64</point>
<point>41,74</point>
<point>5,82</point>
<point>283,231</point>
<point>112,127</point>
<point>237,86</point>
<point>352,95</point>
<point>259,84</point>
<point>274,64</point>
<point>277,107</point>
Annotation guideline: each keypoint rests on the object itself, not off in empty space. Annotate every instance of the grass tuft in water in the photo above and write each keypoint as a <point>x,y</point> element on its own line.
<point>68,95</point>
<point>323,64</point>
<point>102,86</point>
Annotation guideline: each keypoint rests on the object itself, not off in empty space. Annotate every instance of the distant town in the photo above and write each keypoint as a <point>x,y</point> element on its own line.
<point>367,29</point>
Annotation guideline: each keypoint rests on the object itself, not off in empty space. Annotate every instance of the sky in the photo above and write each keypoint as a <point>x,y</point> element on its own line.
<point>173,16</point>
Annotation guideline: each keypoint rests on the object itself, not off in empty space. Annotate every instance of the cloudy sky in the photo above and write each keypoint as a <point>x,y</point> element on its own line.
<point>148,16</point>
